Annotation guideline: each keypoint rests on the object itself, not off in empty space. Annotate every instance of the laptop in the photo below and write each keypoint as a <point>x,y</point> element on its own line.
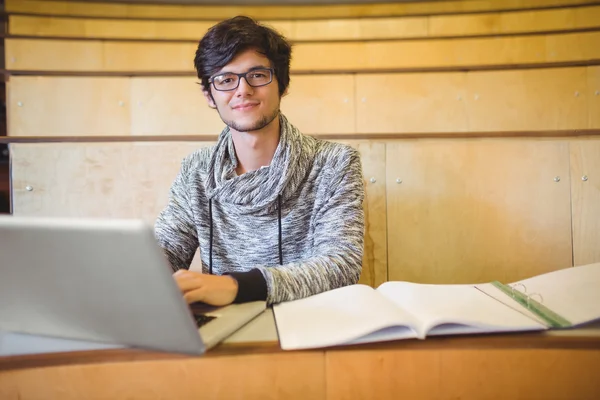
<point>103,281</point>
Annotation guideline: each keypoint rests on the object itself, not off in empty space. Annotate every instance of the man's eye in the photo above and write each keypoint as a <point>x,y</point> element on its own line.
<point>258,75</point>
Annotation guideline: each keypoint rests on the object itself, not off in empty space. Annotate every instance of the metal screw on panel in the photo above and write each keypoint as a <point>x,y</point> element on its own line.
<point>576,94</point>
<point>372,180</point>
<point>28,188</point>
<point>597,93</point>
<point>557,179</point>
<point>121,104</point>
<point>584,178</point>
<point>476,97</point>
<point>398,180</point>
<point>345,100</point>
<point>20,104</point>
<point>458,98</point>
<point>364,99</point>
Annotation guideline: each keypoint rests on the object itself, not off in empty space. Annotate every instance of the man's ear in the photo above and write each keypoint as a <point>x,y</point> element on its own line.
<point>209,99</point>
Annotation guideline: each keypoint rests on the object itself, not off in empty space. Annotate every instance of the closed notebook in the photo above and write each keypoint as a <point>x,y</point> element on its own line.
<point>404,310</point>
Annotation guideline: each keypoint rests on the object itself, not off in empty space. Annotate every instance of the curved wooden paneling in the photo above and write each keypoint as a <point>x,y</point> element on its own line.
<point>477,210</point>
<point>162,106</point>
<point>486,101</point>
<point>117,10</point>
<point>419,103</point>
<point>562,19</point>
<point>585,191</point>
<point>111,56</point>
<point>55,106</point>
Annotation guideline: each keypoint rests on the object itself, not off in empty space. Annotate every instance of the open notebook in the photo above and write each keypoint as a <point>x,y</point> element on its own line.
<point>403,310</point>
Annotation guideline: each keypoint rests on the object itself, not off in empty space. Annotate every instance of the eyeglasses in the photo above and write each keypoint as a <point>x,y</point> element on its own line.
<point>230,81</point>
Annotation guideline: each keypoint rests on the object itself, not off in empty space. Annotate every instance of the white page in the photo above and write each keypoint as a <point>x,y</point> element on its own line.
<point>337,317</point>
<point>573,292</point>
<point>455,309</point>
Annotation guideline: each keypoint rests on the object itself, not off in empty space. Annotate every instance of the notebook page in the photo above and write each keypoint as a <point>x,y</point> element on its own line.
<point>336,317</point>
<point>447,307</point>
<point>573,292</point>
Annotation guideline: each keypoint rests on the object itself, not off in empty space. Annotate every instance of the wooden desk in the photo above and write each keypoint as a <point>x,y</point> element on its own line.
<point>250,365</point>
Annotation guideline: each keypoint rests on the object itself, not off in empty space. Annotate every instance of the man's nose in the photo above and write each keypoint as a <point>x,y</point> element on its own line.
<point>244,88</point>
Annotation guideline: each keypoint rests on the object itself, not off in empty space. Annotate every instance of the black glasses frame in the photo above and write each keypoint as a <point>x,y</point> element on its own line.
<point>242,75</point>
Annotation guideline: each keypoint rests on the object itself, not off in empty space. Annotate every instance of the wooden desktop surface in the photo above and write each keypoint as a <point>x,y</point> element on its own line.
<point>251,365</point>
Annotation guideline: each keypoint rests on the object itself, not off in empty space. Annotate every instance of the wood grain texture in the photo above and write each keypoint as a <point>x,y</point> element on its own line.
<point>108,180</point>
<point>53,106</point>
<point>476,101</point>
<point>593,95</point>
<point>321,104</point>
<point>523,100</point>
<point>278,12</point>
<point>464,374</point>
<point>585,193</point>
<point>260,376</point>
<point>516,22</point>
<point>167,106</point>
<point>474,210</point>
<point>65,55</point>
<point>387,103</point>
<point>117,180</point>
<point>374,268</point>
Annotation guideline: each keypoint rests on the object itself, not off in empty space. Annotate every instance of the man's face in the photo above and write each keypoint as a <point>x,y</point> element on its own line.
<point>246,108</point>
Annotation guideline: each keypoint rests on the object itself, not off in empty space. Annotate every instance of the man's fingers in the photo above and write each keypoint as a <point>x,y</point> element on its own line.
<point>195,295</point>
<point>187,280</point>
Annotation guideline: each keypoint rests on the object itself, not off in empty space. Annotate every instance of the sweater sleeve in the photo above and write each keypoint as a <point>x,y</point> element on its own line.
<point>338,248</point>
<point>174,228</point>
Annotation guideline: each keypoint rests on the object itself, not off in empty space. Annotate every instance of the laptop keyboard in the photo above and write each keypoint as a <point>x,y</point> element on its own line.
<point>203,319</point>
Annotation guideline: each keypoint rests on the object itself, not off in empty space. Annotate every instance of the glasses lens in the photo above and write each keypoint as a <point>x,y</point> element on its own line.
<point>258,77</point>
<point>225,81</point>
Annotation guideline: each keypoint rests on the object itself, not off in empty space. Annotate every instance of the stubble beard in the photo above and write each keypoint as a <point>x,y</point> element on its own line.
<point>259,124</point>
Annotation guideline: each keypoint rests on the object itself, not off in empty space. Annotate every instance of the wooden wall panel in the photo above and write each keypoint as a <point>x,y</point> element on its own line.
<point>446,52</point>
<point>278,12</point>
<point>320,29</point>
<point>317,104</point>
<point>148,56</point>
<point>73,106</point>
<point>585,188</point>
<point>64,55</point>
<point>116,180</point>
<point>374,270</point>
<point>171,106</point>
<point>593,95</point>
<point>525,101</point>
<point>477,210</point>
<point>322,104</point>
<point>587,16</point>
<point>54,55</point>
<point>96,180</point>
<point>91,106</point>
<point>390,103</point>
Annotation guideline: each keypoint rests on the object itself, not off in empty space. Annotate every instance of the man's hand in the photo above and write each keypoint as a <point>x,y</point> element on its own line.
<point>210,289</point>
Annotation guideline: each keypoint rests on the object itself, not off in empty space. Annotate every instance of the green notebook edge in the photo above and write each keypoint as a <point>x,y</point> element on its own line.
<point>553,319</point>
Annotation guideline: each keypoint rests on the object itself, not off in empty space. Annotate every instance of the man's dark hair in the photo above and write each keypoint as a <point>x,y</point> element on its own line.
<point>224,41</point>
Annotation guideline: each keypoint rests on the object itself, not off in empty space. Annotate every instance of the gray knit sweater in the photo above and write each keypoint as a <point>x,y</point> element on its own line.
<point>286,231</point>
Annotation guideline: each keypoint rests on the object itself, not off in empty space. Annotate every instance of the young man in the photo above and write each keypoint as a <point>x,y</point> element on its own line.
<point>277,215</point>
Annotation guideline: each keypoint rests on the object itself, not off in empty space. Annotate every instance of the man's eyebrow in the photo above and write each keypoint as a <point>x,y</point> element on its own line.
<point>250,69</point>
